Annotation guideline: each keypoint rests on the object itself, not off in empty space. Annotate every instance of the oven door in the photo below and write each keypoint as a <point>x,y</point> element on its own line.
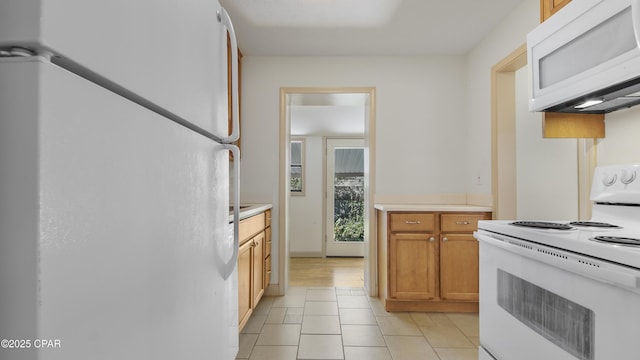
<point>537,303</point>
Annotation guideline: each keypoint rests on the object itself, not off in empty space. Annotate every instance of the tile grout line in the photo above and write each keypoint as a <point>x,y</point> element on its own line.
<point>340,317</point>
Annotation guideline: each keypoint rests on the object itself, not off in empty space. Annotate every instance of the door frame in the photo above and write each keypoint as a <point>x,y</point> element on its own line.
<point>503,143</point>
<point>370,244</point>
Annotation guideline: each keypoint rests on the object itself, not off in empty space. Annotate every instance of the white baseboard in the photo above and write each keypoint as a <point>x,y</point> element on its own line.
<point>305,254</point>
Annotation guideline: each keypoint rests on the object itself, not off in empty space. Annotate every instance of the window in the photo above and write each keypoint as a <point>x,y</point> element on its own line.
<point>297,170</point>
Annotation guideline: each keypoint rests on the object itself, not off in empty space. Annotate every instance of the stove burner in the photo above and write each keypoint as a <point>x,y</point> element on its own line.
<point>594,224</point>
<point>617,240</point>
<point>542,225</point>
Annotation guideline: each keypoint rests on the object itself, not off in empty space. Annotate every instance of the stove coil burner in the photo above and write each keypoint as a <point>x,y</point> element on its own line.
<point>542,225</point>
<point>617,240</point>
<point>594,224</point>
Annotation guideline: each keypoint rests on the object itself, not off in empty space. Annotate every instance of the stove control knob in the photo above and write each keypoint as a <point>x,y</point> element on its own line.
<point>608,180</point>
<point>627,176</point>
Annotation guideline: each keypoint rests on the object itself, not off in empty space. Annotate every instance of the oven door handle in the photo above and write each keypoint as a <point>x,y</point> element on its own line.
<point>577,264</point>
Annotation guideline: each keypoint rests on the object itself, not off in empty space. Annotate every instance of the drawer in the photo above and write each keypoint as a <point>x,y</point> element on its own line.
<point>267,218</point>
<point>422,222</point>
<point>267,271</point>
<point>462,222</point>
<point>251,226</point>
<point>267,264</point>
<point>267,243</point>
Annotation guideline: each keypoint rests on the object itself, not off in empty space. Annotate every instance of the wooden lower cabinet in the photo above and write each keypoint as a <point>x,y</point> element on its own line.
<point>459,267</point>
<point>412,272</point>
<point>244,283</point>
<point>254,264</point>
<point>258,268</point>
<point>432,261</point>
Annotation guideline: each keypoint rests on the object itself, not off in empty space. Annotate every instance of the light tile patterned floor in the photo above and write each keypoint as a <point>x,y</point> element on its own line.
<point>345,324</point>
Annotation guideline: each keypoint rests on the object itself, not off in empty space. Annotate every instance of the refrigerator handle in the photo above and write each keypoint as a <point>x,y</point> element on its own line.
<point>223,17</point>
<point>231,265</point>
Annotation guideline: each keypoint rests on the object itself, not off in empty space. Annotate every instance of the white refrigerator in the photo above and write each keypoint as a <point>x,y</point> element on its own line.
<point>115,239</point>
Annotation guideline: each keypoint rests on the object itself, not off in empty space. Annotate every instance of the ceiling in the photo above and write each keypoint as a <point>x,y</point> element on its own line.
<point>357,28</point>
<point>363,27</point>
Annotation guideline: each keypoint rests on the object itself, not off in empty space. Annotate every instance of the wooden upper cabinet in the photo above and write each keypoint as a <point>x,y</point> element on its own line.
<point>564,125</point>
<point>230,90</point>
<point>550,7</point>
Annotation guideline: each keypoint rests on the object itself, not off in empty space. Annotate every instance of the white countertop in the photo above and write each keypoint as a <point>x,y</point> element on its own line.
<point>431,207</point>
<point>248,210</point>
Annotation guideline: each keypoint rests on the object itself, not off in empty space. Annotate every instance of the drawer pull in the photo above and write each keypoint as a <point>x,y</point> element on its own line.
<point>414,222</point>
<point>432,239</point>
<point>462,223</point>
<point>445,239</point>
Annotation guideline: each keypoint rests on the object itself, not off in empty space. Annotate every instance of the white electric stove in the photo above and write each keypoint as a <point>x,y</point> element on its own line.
<point>564,289</point>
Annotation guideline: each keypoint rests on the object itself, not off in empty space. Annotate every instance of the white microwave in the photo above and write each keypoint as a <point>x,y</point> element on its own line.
<point>586,58</point>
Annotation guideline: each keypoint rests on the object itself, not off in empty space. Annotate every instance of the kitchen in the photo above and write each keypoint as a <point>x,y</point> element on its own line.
<point>413,96</point>
<point>418,102</point>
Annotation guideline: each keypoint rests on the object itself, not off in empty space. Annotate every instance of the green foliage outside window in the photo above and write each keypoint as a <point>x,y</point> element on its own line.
<point>349,208</point>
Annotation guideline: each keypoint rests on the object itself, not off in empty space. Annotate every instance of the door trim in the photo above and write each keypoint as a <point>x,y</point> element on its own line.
<point>503,145</point>
<point>370,253</point>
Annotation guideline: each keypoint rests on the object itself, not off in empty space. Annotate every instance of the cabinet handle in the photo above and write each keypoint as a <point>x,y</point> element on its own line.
<point>432,239</point>
<point>445,239</point>
<point>462,223</point>
<point>412,222</point>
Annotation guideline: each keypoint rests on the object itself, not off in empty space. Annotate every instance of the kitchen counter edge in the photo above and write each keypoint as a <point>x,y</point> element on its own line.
<point>249,210</point>
<point>432,207</point>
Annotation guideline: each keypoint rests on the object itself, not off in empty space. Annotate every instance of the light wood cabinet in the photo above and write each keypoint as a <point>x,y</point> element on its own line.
<point>254,263</point>
<point>244,283</point>
<point>412,268</point>
<point>459,256</point>
<point>267,249</point>
<point>432,261</point>
<point>459,267</point>
<point>258,268</point>
<point>550,7</point>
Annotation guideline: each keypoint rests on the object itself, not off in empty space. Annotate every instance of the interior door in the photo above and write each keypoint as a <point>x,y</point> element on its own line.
<point>345,197</point>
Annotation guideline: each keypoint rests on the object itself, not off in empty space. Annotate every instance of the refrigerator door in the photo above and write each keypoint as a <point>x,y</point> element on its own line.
<point>170,53</point>
<point>112,222</point>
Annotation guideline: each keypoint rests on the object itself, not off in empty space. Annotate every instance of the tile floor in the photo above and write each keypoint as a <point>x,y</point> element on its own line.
<point>343,323</point>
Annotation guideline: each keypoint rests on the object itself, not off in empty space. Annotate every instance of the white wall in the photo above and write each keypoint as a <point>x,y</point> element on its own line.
<point>510,34</point>
<point>621,143</point>
<point>433,115</point>
<point>547,169</point>
<point>306,227</point>
<point>420,120</point>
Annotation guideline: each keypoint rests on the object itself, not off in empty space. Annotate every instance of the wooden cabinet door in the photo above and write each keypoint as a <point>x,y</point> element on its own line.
<point>267,252</point>
<point>550,7</point>
<point>459,267</point>
<point>244,282</point>
<point>257,258</point>
<point>412,266</point>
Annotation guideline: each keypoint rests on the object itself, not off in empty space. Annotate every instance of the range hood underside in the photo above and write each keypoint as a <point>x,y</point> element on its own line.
<point>616,97</point>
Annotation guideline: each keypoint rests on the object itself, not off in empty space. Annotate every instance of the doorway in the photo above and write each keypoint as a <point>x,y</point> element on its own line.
<point>504,172</point>
<point>345,198</point>
<point>289,98</point>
